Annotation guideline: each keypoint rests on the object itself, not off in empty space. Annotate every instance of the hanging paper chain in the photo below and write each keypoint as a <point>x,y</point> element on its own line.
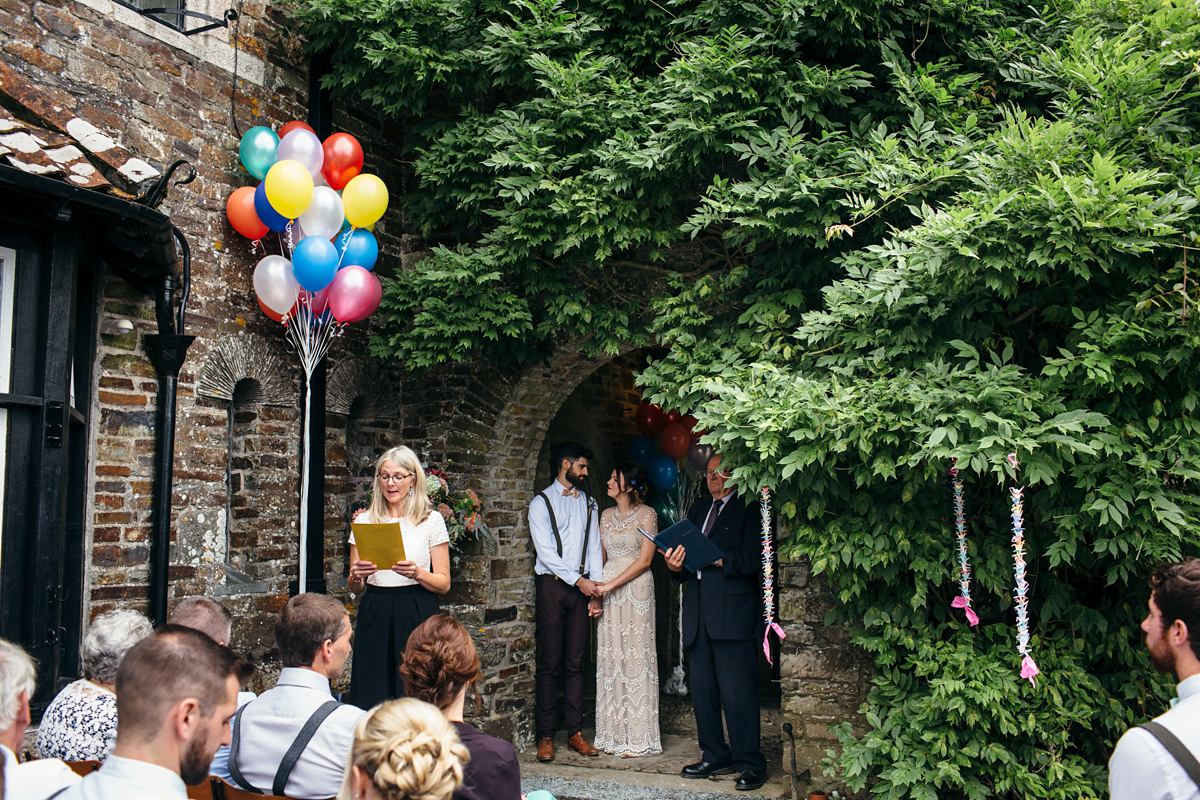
<point>1028,668</point>
<point>963,601</point>
<point>768,571</point>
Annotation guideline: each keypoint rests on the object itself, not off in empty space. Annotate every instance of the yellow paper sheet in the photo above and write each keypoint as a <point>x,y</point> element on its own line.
<point>380,543</point>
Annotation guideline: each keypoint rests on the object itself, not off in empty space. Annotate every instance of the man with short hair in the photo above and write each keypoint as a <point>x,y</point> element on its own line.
<point>1148,761</point>
<point>722,619</point>
<point>176,691</point>
<point>210,617</point>
<point>565,525</point>
<point>294,739</point>
<point>33,780</point>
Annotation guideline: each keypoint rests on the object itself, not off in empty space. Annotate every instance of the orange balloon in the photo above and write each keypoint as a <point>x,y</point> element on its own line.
<point>269,312</point>
<point>239,208</point>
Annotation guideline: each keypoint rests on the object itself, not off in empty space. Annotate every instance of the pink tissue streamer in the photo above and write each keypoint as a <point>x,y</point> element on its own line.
<point>1029,670</point>
<point>961,602</point>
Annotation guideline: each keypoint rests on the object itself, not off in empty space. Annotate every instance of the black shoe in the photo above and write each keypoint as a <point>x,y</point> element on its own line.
<point>750,779</point>
<point>706,769</point>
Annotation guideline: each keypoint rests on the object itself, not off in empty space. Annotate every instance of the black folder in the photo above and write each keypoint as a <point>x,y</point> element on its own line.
<point>699,553</point>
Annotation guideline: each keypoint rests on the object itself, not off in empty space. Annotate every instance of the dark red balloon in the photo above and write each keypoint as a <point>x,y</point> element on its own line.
<point>295,125</point>
<point>675,440</point>
<point>688,421</point>
<point>673,416</point>
<point>343,160</point>
<point>650,419</point>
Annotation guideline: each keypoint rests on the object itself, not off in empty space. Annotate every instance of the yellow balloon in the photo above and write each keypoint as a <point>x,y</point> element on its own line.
<point>365,198</point>
<point>289,188</point>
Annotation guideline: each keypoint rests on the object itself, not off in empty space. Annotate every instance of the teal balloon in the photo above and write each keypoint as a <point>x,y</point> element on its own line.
<point>664,508</point>
<point>539,794</point>
<point>258,149</point>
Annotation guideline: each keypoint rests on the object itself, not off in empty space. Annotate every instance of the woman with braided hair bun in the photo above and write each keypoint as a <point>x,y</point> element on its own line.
<point>439,664</point>
<point>626,649</point>
<point>404,750</point>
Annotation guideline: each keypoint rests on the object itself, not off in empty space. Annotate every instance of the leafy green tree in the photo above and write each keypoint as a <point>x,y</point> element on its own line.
<point>877,237</point>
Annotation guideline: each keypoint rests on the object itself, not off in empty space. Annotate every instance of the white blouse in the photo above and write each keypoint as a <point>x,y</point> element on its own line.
<point>80,724</point>
<point>418,539</point>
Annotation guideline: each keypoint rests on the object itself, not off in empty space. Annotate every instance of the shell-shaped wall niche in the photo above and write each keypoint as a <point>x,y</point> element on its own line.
<point>247,358</point>
<point>361,386</point>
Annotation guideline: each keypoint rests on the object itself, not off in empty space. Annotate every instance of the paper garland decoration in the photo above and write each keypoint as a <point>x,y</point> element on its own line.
<point>963,601</point>
<point>768,571</point>
<point>1028,668</point>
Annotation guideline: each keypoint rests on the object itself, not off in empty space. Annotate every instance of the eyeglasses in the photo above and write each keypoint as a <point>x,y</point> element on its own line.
<point>720,473</point>
<point>399,477</point>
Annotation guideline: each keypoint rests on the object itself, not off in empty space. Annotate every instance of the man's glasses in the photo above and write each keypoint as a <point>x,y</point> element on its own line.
<point>399,477</point>
<point>720,473</point>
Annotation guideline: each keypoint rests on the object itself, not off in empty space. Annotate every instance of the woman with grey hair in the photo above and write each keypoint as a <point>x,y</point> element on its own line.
<point>80,724</point>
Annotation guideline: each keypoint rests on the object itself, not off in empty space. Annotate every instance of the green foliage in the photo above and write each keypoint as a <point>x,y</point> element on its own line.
<point>875,237</point>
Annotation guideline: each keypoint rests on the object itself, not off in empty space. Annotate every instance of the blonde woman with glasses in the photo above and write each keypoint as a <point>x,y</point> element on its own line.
<point>397,597</point>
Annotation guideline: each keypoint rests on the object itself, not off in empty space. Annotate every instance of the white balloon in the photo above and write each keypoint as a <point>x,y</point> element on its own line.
<point>302,146</point>
<point>275,284</point>
<point>325,213</point>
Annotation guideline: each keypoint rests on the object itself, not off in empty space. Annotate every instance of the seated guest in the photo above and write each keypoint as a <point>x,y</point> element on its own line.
<point>208,616</point>
<point>313,637</point>
<point>176,691</point>
<point>34,780</point>
<point>404,750</point>
<point>439,664</point>
<point>80,724</point>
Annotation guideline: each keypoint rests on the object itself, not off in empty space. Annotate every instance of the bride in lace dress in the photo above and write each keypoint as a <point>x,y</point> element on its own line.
<point>626,653</point>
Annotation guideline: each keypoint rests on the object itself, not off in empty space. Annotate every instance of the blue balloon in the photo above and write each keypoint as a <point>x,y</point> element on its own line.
<point>641,450</point>
<point>314,262</point>
<point>663,472</point>
<point>359,247</point>
<point>324,318</point>
<point>269,216</point>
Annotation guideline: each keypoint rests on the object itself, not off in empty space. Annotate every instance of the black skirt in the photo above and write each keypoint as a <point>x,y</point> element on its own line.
<point>386,618</point>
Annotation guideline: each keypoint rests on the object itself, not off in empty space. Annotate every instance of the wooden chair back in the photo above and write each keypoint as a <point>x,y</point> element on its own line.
<point>206,790</point>
<point>230,792</point>
<point>82,768</point>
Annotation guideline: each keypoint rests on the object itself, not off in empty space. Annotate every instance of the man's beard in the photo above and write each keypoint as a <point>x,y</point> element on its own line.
<point>1162,660</point>
<point>193,768</point>
<point>576,479</point>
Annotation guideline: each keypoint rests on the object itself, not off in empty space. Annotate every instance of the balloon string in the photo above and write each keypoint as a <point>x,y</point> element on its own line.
<point>342,249</point>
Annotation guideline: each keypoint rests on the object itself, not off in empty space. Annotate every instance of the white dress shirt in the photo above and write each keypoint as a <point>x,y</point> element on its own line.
<point>270,723</point>
<point>570,513</point>
<point>1141,768</point>
<point>33,780</point>
<point>220,762</point>
<point>126,779</point>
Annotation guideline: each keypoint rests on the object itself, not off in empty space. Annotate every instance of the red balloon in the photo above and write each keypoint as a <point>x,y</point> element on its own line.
<point>675,440</point>
<point>239,208</point>
<point>650,419</point>
<point>319,301</point>
<point>354,294</point>
<point>673,416</point>
<point>295,125</point>
<point>689,422</point>
<point>343,159</point>
<point>269,312</point>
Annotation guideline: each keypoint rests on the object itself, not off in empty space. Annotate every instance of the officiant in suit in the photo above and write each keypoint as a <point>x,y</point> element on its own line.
<point>722,623</point>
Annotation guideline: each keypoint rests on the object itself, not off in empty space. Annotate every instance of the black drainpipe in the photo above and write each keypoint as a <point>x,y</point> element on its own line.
<point>167,350</point>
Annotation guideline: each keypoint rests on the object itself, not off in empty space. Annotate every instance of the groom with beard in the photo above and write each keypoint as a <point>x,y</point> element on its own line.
<point>1158,760</point>
<point>565,525</point>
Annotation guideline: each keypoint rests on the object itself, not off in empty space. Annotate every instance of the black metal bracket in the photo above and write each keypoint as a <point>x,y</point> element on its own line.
<point>229,16</point>
<point>157,192</point>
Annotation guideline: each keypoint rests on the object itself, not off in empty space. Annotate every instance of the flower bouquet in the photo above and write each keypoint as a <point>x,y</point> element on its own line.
<point>461,509</point>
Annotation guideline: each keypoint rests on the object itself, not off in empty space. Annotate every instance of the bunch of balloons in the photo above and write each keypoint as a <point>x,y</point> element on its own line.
<point>667,436</point>
<point>317,193</point>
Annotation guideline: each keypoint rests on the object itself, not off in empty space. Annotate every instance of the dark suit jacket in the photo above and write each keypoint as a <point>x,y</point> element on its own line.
<point>731,594</point>
<point>493,772</point>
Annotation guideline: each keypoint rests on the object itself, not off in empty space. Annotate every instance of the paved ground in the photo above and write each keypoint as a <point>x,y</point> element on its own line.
<point>573,777</point>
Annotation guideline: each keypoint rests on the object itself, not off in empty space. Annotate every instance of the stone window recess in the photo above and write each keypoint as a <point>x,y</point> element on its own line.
<point>245,372</point>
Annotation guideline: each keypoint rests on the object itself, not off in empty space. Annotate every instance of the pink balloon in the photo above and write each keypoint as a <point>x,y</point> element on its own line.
<point>319,301</point>
<point>354,294</point>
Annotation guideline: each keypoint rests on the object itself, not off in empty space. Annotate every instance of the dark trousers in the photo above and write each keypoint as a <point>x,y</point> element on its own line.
<point>562,628</point>
<point>725,675</point>
<point>387,616</point>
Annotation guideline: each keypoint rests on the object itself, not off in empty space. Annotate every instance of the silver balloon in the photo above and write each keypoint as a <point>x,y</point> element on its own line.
<point>325,214</point>
<point>698,455</point>
<point>275,284</point>
<point>304,147</point>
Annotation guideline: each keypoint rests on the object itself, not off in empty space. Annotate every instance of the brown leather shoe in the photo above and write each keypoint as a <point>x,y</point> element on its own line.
<point>580,745</point>
<point>545,751</point>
